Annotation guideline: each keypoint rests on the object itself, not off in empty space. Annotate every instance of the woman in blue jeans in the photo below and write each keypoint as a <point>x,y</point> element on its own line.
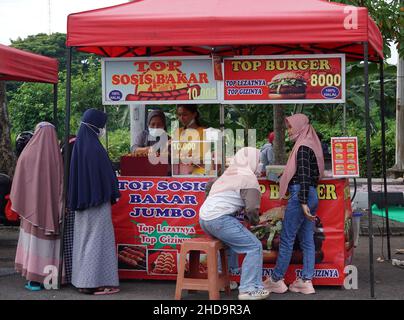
<point>304,168</point>
<point>235,190</point>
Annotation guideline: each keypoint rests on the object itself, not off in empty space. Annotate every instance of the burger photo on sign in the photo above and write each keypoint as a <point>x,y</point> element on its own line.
<point>287,86</point>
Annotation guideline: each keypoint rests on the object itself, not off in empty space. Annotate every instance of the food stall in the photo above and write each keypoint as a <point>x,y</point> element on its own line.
<point>157,211</point>
<point>155,214</point>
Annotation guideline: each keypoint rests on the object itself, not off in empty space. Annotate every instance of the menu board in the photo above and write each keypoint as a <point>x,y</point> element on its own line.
<point>345,160</point>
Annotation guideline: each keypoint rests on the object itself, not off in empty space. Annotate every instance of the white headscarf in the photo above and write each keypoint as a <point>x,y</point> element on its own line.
<point>240,174</point>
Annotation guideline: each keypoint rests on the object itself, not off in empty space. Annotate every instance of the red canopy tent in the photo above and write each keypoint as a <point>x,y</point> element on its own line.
<point>233,27</point>
<point>19,65</point>
<point>178,27</point>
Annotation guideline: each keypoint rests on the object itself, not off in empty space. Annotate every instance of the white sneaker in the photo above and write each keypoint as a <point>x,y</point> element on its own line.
<point>233,286</point>
<point>301,286</point>
<point>275,287</point>
<point>254,295</point>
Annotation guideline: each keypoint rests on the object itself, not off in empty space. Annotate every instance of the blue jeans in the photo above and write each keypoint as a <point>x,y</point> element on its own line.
<point>295,223</point>
<point>240,240</point>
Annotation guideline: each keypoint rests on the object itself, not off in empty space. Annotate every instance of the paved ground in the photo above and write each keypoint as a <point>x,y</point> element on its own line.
<point>389,279</point>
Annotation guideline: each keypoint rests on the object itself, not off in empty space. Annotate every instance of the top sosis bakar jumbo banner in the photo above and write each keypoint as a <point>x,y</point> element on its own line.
<point>154,216</point>
<point>285,79</point>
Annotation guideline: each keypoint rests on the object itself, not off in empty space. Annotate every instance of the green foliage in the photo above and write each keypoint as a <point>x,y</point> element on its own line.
<point>53,46</point>
<point>355,99</point>
<point>258,117</point>
<point>356,128</point>
<point>118,143</point>
<point>32,103</point>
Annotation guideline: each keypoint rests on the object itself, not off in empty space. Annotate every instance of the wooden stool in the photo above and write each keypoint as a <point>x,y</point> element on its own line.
<point>193,280</point>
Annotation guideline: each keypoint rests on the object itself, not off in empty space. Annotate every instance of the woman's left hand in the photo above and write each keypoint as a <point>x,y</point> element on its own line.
<point>307,213</point>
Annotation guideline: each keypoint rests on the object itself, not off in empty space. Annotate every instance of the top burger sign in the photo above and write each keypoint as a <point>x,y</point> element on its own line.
<point>246,79</point>
<point>285,79</point>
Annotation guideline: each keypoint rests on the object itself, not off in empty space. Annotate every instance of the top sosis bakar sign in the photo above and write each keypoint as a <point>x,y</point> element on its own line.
<point>285,79</point>
<point>162,80</point>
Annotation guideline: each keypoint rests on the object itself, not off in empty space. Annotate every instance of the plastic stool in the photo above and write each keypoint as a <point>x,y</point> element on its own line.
<point>193,280</point>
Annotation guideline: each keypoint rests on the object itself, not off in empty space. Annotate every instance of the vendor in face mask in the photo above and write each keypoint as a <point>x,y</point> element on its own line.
<point>192,130</point>
<point>156,131</point>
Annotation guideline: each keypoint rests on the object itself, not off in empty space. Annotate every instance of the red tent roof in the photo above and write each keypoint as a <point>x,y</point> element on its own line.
<point>180,27</point>
<point>19,65</point>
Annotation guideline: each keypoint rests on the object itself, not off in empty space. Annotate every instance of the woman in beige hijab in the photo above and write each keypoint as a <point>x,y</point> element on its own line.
<point>36,195</point>
<point>236,190</point>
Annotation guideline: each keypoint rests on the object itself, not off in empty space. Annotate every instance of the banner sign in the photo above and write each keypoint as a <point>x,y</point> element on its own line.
<point>285,79</point>
<point>345,159</point>
<point>155,215</point>
<point>159,80</point>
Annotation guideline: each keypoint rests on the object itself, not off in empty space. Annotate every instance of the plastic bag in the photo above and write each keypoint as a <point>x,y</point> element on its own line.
<point>10,214</point>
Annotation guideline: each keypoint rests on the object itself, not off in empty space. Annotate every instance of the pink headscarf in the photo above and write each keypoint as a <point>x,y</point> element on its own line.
<point>36,191</point>
<point>304,135</point>
<point>240,174</point>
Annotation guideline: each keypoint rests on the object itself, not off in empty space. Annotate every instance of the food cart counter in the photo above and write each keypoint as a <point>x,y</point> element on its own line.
<point>155,214</point>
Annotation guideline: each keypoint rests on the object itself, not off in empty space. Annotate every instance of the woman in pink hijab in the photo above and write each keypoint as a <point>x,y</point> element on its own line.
<point>36,195</point>
<point>304,168</point>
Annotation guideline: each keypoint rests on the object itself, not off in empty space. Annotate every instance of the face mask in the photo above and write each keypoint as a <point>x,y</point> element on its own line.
<point>155,132</point>
<point>101,131</point>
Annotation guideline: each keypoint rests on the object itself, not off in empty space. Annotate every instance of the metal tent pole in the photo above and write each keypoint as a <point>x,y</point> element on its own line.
<point>223,160</point>
<point>369,168</point>
<point>106,133</point>
<point>384,166</point>
<point>55,105</point>
<point>222,138</point>
<point>344,121</point>
<point>66,161</point>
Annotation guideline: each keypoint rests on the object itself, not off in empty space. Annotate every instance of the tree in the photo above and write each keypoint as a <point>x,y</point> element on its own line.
<point>279,129</point>
<point>399,165</point>
<point>30,104</point>
<point>54,46</point>
<point>7,163</point>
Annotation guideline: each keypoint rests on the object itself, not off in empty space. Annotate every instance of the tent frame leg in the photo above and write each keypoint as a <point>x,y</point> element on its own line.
<point>69,52</point>
<point>55,105</point>
<point>384,165</point>
<point>369,168</point>
<point>223,160</point>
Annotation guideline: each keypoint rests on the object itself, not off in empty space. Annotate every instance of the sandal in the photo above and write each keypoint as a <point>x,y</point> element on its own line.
<point>33,286</point>
<point>87,291</point>
<point>103,291</point>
